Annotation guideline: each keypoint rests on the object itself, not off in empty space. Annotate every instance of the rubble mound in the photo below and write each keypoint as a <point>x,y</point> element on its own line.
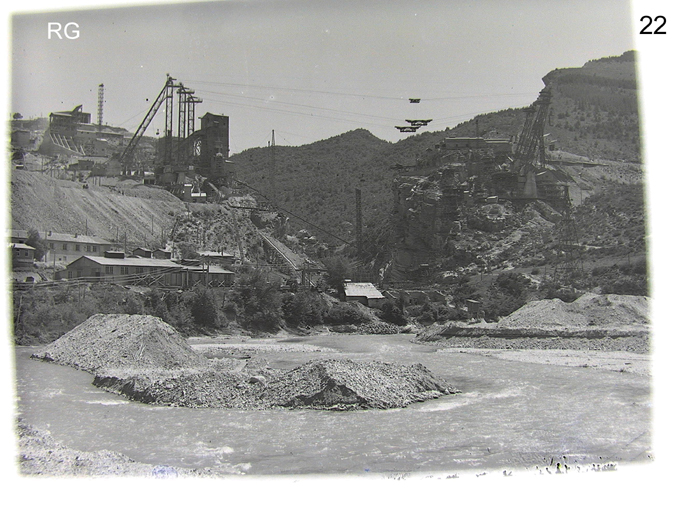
<point>594,321</point>
<point>147,360</point>
<point>327,384</point>
<point>124,341</point>
<point>345,384</point>
<point>588,310</point>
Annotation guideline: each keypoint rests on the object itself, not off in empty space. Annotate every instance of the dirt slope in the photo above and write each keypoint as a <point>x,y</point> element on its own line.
<point>45,203</point>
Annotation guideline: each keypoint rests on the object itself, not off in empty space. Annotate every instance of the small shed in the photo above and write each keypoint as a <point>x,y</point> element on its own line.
<point>162,254</point>
<point>22,255</point>
<point>365,293</point>
<point>142,252</point>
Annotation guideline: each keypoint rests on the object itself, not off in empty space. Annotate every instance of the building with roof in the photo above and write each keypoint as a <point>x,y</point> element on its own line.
<point>365,293</point>
<point>221,258</point>
<point>65,247</point>
<point>117,268</point>
<point>161,254</point>
<point>22,255</point>
<point>142,252</point>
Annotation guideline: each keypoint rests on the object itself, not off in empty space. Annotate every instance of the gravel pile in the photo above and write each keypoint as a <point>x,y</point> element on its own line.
<point>40,454</point>
<point>588,310</point>
<point>146,360</point>
<point>327,384</point>
<point>128,341</point>
<point>633,344</point>
<point>377,327</point>
<point>344,384</point>
<point>591,322</point>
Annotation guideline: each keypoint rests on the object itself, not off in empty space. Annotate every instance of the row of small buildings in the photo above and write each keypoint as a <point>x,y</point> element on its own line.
<point>115,266</point>
<point>90,259</point>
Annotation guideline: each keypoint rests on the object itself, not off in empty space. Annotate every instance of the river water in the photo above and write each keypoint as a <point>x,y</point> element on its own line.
<point>510,415</point>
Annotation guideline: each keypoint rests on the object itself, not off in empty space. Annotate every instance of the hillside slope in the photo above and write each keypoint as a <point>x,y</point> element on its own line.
<point>594,113</point>
<point>138,212</point>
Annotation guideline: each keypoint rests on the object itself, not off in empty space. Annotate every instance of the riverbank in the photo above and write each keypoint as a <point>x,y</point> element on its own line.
<point>41,455</point>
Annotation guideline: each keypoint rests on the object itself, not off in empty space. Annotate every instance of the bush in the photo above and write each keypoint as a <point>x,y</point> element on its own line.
<point>345,313</point>
<point>304,308</point>
<point>392,313</point>
<point>508,293</point>
<point>203,307</point>
<point>257,301</point>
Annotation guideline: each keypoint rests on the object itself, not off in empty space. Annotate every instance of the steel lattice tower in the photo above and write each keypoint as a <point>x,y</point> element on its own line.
<point>569,261</point>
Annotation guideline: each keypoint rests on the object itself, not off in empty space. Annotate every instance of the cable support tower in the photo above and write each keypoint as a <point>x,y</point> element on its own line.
<point>569,263</point>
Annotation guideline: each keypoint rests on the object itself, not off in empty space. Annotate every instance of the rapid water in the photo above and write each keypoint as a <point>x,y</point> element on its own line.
<point>509,415</point>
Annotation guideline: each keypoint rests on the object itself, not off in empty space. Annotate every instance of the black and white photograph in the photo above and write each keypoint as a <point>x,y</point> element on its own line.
<point>383,241</point>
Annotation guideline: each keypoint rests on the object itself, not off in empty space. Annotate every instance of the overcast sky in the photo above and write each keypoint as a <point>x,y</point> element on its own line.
<point>311,69</point>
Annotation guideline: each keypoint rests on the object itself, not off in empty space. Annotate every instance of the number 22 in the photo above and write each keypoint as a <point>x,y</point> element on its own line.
<point>657,31</point>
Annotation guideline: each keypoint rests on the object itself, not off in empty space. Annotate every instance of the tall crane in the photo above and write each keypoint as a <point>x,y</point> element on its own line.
<point>531,148</point>
<point>165,95</point>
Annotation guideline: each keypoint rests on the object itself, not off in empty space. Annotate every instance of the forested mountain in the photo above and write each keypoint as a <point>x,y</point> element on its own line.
<point>595,108</point>
<point>594,113</point>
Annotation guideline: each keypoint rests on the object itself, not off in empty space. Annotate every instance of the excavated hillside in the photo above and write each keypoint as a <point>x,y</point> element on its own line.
<point>124,207</point>
<point>141,215</point>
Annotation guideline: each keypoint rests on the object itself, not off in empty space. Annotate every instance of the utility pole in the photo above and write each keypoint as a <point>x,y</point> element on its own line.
<point>359,222</point>
<point>272,152</point>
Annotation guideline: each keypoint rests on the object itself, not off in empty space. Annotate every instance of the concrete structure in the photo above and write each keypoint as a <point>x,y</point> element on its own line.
<point>66,122</point>
<point>365,293</point>
<point>498,146</point>
<point>71,133</point>
<point>26,278</point>
<point>21,139</point>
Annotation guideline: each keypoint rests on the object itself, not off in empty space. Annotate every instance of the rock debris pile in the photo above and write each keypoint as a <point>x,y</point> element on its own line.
<point>348,384</point>
<point>588,310</point>
<point>124,341</point>
<point>147,360</point>
<point>595,322</point>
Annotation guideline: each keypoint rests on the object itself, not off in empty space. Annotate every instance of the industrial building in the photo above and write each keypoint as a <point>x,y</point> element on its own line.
<point>365,293</point>
<point>64,247</point>
<point>115,267</point>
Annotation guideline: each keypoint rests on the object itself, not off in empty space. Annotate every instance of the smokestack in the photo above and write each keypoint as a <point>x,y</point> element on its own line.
<point>100,105</point>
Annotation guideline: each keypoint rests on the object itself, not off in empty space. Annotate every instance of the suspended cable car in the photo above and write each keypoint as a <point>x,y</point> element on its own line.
<point>407,128</point>
<point>419,122</point>
<point>414,100</point>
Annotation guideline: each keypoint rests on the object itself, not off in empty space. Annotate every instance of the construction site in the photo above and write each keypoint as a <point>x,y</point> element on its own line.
<point>481,289</point>
<point>495,195</point>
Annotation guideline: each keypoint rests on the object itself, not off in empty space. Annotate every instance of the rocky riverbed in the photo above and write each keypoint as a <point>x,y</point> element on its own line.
<point>40,454</point>
<point>146,360</point>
